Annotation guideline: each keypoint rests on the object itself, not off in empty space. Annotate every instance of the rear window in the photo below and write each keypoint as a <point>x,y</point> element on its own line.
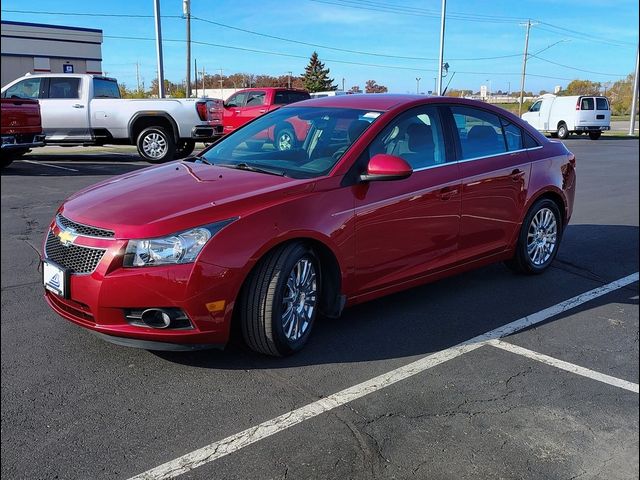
<point>64,87</point>
<point>586,104</point>
<point>602,104</point>
<point>105,88</point>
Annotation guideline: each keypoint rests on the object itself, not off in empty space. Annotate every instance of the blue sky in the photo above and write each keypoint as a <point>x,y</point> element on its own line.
<point>597,40</point>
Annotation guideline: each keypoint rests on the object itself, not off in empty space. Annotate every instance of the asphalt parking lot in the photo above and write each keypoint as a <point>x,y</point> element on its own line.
<point>556,398</point>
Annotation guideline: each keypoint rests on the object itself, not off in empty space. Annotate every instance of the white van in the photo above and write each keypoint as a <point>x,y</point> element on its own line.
<point>561,116</point>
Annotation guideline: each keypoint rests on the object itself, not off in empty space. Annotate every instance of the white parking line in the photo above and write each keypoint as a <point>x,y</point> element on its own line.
<point>52,166</point>
<point>561,364</point>
<point>233,443</point>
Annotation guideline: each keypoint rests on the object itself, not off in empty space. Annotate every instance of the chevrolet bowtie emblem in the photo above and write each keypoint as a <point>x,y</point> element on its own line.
<point>66,238</point>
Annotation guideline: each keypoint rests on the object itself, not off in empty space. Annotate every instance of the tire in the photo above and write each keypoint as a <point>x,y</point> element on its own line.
<point>270,324</point>
<point>533,255</point>
<point>156,145</point>
<point>285,139</point>
<point>184,148</point>
<point>563,131</point>
<point>595,135</point>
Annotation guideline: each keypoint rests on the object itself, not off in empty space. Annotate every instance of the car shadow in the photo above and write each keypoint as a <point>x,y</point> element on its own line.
<point>74,164</point>
<point>439,315</point>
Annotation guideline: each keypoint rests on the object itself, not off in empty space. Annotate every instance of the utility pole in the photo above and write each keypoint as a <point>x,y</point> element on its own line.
<point>156,14</point>
<point>418,85</point>
<point>524,65</point>
<point>343,84</point>
<point>221,83</point>
<point>138,75</point>
<point>195,69</point>
<point>435,85</point>
<point>509,89</point>
<point>204,93</point>
<point>441,56</point>
<point>634,101</point>
<point>186,10</point>
<point>289,80</point>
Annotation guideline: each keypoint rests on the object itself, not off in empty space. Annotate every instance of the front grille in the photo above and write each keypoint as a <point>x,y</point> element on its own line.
<point>74,257</point>
<point>84,230</point>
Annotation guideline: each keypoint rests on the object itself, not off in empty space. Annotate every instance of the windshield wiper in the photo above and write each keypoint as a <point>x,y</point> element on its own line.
<point>251,168</point>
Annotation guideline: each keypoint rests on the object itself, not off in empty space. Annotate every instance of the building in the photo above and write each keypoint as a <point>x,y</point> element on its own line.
<point>39,48</point>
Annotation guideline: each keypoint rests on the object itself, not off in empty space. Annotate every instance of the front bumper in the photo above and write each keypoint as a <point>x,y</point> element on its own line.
<point>15,142</point>
<point>100,300</point>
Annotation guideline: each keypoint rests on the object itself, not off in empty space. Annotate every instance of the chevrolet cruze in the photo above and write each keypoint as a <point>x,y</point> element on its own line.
<point>372,194</point>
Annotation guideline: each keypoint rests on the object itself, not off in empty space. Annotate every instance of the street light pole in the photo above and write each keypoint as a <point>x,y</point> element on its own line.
<point>156,14</point>
<point>634,101</point>
<point>186,9</point>
<point>441,55</point>
<point>418,85</point>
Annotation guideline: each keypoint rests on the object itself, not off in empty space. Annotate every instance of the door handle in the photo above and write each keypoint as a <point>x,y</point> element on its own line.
<point>263,110</point>
<point>516,175</point>
<point>447,193</point>
<point>77,105</point>
<point>237,111</point>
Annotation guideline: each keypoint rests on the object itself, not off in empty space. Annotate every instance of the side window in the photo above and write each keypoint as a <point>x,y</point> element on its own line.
<point>481,135</point>
<point>29,88</point>
<point>536,106</point>
<point>298,96</point>
<point>236,100</point>
<point>416,136</point>
<point>586,104</point>
<point>513,135</point>
<point>255,99</point>
<point>64,87</point>
<point>529,141</point>
<point>602,104</point>
<point>281,98</point>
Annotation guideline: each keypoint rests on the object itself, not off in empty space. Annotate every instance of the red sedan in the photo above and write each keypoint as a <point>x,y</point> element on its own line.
<point>384,193</point>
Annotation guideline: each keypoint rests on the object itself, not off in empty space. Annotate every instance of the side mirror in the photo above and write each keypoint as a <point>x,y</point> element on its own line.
<point>383,167</point>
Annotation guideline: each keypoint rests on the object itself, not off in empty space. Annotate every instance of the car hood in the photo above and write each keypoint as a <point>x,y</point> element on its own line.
<point>164,199</point>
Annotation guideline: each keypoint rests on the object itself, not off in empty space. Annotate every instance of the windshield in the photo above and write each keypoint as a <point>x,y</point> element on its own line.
<point>299,142</point>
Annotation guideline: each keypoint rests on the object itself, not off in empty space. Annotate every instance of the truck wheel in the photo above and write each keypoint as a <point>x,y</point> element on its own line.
<point>155,145</point>
<point>184,148</point>
<point>594,135</point>
<point>279,302</point>
<point>563,131</point>
<point>285,139</point>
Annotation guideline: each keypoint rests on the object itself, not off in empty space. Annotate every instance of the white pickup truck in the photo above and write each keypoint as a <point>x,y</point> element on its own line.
<point>82,109</point>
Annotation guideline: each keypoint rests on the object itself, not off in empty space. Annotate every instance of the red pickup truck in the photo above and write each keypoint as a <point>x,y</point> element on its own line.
<point>21,128</point>
<point>245,105</point>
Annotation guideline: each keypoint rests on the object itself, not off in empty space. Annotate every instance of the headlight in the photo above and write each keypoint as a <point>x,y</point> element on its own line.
<point>181,247</point>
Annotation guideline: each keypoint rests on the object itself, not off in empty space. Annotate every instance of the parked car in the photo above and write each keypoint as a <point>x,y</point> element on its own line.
<point>561,116</point>
<point>245,105</point>
<point>81,109</point>
<point>386,192</point>
<point>21,128</point>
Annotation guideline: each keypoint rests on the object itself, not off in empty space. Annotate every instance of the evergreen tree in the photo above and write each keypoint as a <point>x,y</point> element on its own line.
<point>316,77</point>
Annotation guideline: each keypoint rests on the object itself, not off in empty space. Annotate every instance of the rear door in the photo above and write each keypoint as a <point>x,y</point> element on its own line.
<point>495,171</point>
<point>65,116</point>
<point>603,112</point>
<point>587,115</point>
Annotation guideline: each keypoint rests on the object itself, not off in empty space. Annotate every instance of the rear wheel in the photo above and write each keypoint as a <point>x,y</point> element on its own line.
<point>539,238</point>
<point>595,135</point>
<point>184,148</point>
<point>280,299</point>
<point>563,131</point>
<point>156,145</point>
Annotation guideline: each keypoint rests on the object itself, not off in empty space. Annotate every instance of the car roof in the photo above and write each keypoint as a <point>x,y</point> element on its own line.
<point>377,101</point>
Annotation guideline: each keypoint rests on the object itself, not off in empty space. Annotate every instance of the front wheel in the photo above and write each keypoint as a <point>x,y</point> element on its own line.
<point>156,145</point>
<point>539,238</point>
<point>563,131</point>
<point>280,299</point>
<point>595,135</point>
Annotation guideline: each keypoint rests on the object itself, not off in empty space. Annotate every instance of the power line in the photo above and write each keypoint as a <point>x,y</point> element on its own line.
<point>576,68</point>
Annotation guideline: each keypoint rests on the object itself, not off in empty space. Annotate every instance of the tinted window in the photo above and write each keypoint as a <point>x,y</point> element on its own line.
<point>513,135</point>
<point>602,104</point>
<point>284,97</point>
<point>236,100</point>
<point>586,104</point>
<point>536,106</point>
<point>105,88</point>
<point>64,87</point>
<point>29,88</point>
<point>255,99</point>
<point>480,132</point>
<point>529,141</point>
<point>415,136</point>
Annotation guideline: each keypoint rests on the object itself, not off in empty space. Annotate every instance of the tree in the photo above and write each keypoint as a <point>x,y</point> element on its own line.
<point>620,94</point>
<point>373,87</point>
<point>355,89</point>
<point>316,77</point>
<point>581,87</point>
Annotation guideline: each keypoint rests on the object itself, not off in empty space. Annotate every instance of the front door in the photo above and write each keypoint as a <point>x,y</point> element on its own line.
<point>407,227</point>
<point>495,171</point>
<point>532,117</point>
<point>232,118</point>
<point>65,115</point>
